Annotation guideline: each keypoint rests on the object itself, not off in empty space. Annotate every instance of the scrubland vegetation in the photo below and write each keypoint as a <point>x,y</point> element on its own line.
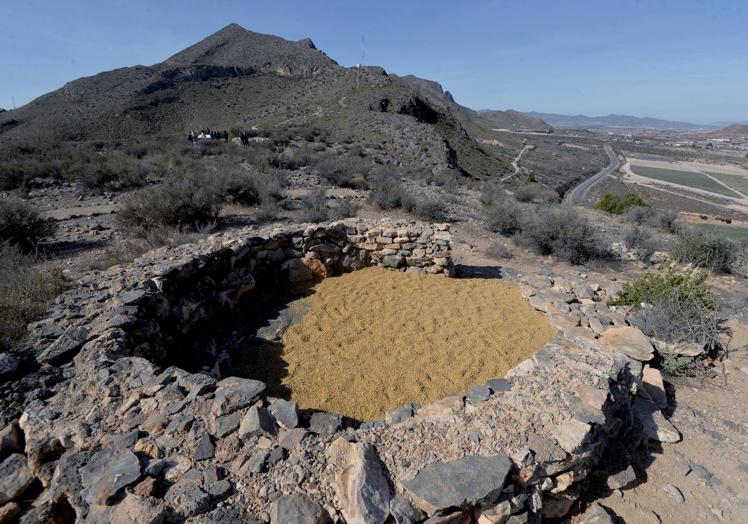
<point>546,229</point>
<point>678,308</point>
<point>26,288</point>
<point>617,204</point>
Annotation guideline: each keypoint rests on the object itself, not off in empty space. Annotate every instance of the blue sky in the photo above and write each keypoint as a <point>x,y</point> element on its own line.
<point>685,60</point>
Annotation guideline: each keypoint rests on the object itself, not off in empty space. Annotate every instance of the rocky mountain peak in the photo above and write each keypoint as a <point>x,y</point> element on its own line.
<point>235,46</point>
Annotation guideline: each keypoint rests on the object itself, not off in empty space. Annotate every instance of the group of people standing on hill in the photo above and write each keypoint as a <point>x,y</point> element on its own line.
<point>207,134</point>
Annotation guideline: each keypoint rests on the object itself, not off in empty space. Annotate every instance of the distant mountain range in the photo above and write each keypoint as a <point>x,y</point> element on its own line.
<point>617,122</point>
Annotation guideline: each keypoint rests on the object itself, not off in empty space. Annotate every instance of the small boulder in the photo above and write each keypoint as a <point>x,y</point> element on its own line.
<point>403,511</point>
<point>64,347</point>
<point>361,486</point>
<point>323,423</point>
<point>109,471</point>
<point>298,509</point>
<point>470,479</point>
<point>257,420</point>
<point>15,477</point>
<point>653,423</point>
<point>291,438</point>
<point>628,340</point>
<point>674,493</point>
<point>622,479</point>
<point>205,448</point>
<point>235,393</point>
<point>654,386</point>
<point>188,499</point>
<point>135,509</point>
<point>8,364</point>
<point>572,434</point>
<point>479,393</point>
<point>285,413</point>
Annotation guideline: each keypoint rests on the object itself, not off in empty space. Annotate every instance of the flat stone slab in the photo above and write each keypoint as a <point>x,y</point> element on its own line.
<point>449,484</point>
<point>107,473</point>
<point>628,340</point>
<point>235,393</point>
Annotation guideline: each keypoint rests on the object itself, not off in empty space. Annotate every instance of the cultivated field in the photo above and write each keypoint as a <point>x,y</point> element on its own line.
<point>737,233</point>
<point>685,178</point>
<point>737,182</point>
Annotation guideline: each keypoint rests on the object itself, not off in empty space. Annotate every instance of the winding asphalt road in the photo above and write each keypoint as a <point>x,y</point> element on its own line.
<point>579,193</point>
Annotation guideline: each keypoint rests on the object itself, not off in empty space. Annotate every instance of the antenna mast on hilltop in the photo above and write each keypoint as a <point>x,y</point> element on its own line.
<point>12,99</point>
<point>363,51</point>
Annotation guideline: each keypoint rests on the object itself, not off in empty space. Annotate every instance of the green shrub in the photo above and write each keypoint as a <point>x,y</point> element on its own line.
<point>26,291</point>
<point>692,286</point>
<point>617,204</point>
<point>561,232</point>
<point>675,365</point>
<point>707,251</point>
<point>21,225</point>
<point>181,203</point>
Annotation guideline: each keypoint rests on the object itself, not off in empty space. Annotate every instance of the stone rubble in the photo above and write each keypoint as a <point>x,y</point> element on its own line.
<point>112,433</point>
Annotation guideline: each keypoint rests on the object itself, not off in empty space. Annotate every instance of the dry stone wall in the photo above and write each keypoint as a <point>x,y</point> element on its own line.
<point>109,432</point>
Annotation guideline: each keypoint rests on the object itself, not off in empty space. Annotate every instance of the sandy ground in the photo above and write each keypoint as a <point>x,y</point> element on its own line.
<point>377,339</point>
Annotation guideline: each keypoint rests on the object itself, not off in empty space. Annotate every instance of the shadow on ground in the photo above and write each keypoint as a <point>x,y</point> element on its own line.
<point>468,271</point>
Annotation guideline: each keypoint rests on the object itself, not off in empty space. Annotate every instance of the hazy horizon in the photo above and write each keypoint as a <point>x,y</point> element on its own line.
<point>682,61</point>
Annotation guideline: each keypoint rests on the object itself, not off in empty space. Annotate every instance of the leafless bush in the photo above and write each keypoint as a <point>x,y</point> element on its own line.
<point>704,250</point>
<point>678,318</point>
<point>386,193</point>
<point>561,232</point>
<point>536,193</point>
<point>315,207</point>
<point>431,208</point>
<point>498,250</point>
<point>345,208</point>
<point>120,253</point>
<point>180,203</point>
<point>640,216</point>
<point>26,290</point>
<point>21,225</point>
<point>503,216</point>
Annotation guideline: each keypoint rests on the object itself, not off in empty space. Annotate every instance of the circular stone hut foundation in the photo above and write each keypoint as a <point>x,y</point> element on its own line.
<point>108,425</point>
<point>377,339</point>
